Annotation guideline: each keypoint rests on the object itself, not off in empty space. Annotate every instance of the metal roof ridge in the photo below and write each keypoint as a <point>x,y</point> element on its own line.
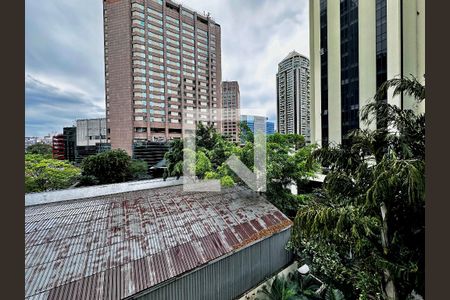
<point>97,190</point>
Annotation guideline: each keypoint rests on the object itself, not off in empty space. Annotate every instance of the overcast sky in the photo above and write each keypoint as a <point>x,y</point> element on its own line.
<point>64,67</point>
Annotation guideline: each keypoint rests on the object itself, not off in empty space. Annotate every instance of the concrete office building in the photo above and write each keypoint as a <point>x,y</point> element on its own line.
<point>355,46</point>
<point>91,132</point>
<point>230,112</point>
<point>293,102</point>
<point>162,70</point>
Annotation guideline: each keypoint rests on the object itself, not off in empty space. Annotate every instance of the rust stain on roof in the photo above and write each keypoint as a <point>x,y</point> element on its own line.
<point>118,245</point>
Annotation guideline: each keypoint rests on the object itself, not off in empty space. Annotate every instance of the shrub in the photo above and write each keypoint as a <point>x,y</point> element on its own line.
<point>112,166</point>
<point>138,169</point>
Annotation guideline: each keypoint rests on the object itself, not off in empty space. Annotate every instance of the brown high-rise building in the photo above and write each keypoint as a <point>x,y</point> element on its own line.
<point>162,70</point>
<point>230,113</point>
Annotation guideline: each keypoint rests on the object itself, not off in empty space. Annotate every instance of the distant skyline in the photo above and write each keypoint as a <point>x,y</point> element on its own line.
<point>64,67</point>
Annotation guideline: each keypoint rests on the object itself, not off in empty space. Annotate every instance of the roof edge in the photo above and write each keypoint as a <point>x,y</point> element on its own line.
<point>98,190</point>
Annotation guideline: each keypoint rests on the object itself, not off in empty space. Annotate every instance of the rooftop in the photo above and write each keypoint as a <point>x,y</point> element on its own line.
<point>115,246</point>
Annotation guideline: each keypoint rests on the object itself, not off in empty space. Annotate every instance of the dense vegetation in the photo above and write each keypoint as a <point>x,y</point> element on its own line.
<point>42,173</point>
<point>363,232</point>
<point>111,166</point>
<point>39,148</point>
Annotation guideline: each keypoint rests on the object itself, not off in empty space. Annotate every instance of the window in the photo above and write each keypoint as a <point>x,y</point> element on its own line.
<point>156,89</point>
<point>185,25</point>
<point>152,50</point>
<point>137,46</point>
<point>153,19</point>
<point>154,119</point>
<point>140,129</point>
<point>188,47</point>
<point>137,14</point>
<point>157,104</point>
<point>138,22</point>
<point>159,97</point>
<point>175,28</point>
<point>188,39</point>
<point>170,55</point>
<point>140,86</point>
<point>173,63</point>
<point>187,14</point>
<point>138,62</point>
<point>138,39</point>
<point>160,82</point>
<point>173,48</point>
<point>138,30</point>
<point>156,28</point>
<point>138,6</point>
<point>156,36</point>
<point>154,43</point>
<point>177,43</point>
<point>172,34</point>
<point>140,110</point>
<point>139,94</point>
<point>140,118</point>
<point>188,33</point>
<point>154,12</point>
<point>139,54</point>
<point>139,78</point>
<point>155,58</point>
<point>172,20</point>
<point>140,102</point>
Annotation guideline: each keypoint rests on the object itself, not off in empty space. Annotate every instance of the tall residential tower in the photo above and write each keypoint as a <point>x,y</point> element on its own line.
<point>162,70</point>
<point>293,103</point>
<point>230,113</point>
<point>356,45</point>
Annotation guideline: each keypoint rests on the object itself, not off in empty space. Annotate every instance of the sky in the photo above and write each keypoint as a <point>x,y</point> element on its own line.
<point>64,63</point>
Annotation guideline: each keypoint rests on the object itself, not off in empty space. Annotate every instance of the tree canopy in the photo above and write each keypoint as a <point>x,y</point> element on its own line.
<point>46,174</point>
<point>40,148</point>
<point>364,231</point>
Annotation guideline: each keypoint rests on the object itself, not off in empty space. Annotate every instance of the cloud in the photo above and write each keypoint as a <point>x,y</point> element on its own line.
<point>64,54</point>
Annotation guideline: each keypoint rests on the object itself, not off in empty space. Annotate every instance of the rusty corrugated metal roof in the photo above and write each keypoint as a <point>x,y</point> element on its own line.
<point>114,246</point>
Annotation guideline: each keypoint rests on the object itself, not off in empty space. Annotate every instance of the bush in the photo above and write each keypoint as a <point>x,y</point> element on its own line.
<point>46,174</point>
<point>112,166</point>
<point>227,181</point>
<point>139,169</point>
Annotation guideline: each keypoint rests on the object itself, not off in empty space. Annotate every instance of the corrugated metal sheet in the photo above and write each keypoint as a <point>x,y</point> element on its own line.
<point>115,246</point>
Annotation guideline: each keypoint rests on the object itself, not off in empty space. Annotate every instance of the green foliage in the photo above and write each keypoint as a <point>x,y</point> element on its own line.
<point>111,166</point>
<point>40,148</point>
<point>365,228</point>
<point>227,181</point>
<point>46,174</point>
<point>280,289</point>
<point>202,164</point>
<point>297,286</point>
<point>334,294</point>
<point>138,169</point>
<point>288,161</point>
<point>174,159</point>
<point>245,133</point>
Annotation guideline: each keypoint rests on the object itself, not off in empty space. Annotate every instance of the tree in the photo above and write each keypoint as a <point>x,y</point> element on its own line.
<point>364,231</point>
<point>112,166</point>
<point>280,289</point>
<point>40,148</point>
<point>46,174</point>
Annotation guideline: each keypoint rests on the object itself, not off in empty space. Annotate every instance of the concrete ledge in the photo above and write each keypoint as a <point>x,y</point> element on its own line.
<point>98,190</point>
